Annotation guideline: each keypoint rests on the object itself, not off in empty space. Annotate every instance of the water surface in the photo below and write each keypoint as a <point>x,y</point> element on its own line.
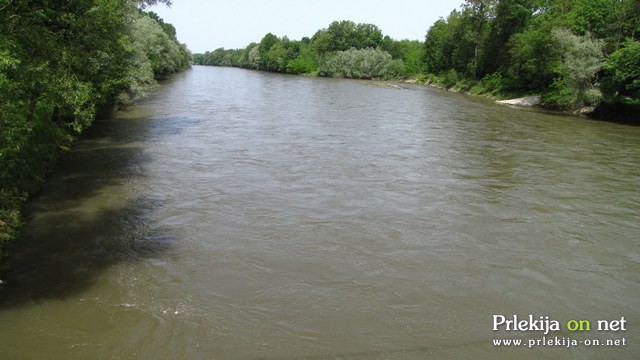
<point>244,215</point>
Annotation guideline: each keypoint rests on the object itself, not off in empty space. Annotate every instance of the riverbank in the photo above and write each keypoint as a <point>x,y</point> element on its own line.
<point>622,111</point>
<point>29,158</point>
<point>27,164</point>
<point>527,101</point>
<point>613,112</point>
<point>53,85</point>
<point>618,112</point>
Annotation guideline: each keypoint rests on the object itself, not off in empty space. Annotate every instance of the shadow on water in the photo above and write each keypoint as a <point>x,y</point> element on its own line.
<point>87,218</point>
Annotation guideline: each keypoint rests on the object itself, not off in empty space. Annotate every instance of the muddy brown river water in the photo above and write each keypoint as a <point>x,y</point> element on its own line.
<point>244,215</point>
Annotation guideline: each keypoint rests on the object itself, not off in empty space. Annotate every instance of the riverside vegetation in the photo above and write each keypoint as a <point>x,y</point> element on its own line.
<point>575,53</point>
<point>62,65</point>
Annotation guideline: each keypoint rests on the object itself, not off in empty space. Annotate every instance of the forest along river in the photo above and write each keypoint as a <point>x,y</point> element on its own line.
<point>244,215</point>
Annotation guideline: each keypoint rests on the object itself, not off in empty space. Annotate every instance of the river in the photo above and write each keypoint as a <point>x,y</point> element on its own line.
<point>237,214</point>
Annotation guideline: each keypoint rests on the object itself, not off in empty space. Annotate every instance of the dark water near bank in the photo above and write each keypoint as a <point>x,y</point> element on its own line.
<point>244,215</point>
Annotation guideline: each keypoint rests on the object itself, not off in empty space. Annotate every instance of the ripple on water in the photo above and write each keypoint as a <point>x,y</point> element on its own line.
<point>246,215</point>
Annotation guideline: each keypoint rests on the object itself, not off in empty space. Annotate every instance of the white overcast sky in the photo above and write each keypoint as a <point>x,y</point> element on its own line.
<point>205,25</point>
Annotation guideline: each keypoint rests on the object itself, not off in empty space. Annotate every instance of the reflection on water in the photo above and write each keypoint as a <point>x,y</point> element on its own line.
<point>245,215</point>
<point>83,222</point>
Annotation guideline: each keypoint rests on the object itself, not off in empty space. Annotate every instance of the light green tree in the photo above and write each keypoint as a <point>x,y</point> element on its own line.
<point>358,64</point>
<point>581,58</point>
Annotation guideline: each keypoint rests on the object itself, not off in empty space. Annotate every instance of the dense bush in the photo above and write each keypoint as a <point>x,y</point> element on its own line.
<point>357,64</point>
<point>580,59</point>
<point>623,71</point>
<point>451,78</point>
<point>493,83</point>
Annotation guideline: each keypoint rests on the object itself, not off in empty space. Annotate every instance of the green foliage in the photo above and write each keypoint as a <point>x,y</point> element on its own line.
<point>559,96</point>
<point>168,29</point>
<point>163,53</point>
<point>532,58</point>
<point>62,64</point>
<point>409,51</point>
<point>424,78</point>
<point>511,17</point>
<point>222,57</point>
<point>493,83</point>
<point>320,42</point>
<point>592,16</point>
<point>450,78</point>
<point>556,48</point>
<point>357,64</point>
<point>439,45</point>
<point>266,43</point>
<point>395,70</point>
<point>300,66</point>
<point>333,48</point>
<point>582,58</point>
<point>276,58</point>
<point>451,44</point>
<point>254,58</point>
<point>623,71</point>
<point>344,35</point>
<point>476,18</point>
<point>146,3</point>
<point>272,54</point>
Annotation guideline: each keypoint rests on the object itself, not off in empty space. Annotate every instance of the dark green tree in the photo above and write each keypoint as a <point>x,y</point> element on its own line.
<point>268,60</point>
<point>623,71</point>
<point>533,56</point>
<point>477,14</point>
<point>511,17</point>
<point>438,46</point>
<point>344,35</point>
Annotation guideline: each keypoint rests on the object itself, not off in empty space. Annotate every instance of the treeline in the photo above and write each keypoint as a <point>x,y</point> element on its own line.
<point>62,64</point>
<point>575,53</point>
<point>343,49</point>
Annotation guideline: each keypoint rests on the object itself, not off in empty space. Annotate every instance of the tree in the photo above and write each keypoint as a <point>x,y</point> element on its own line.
<point>341,35</point>
<point>511,17</point>
<point>438,46</point>
<point>477,13</point>
<point>623,71</point>
<point>581,59</point>
<point>305,62</point>
<point>146,3</point>
<point>623,22</point>
<point>532,56</point>
<point>253,57</point>
<point>276,58</point>
<point>166,27</point>
<point>409,51</point>
<point>593,17</point>
<point>344,35</point>
<point>320,42</point>
<point>266,60</point>
<point>464,46</point>
<point>367,36</point>
<point>62,64</point>
<point>357,64</point>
